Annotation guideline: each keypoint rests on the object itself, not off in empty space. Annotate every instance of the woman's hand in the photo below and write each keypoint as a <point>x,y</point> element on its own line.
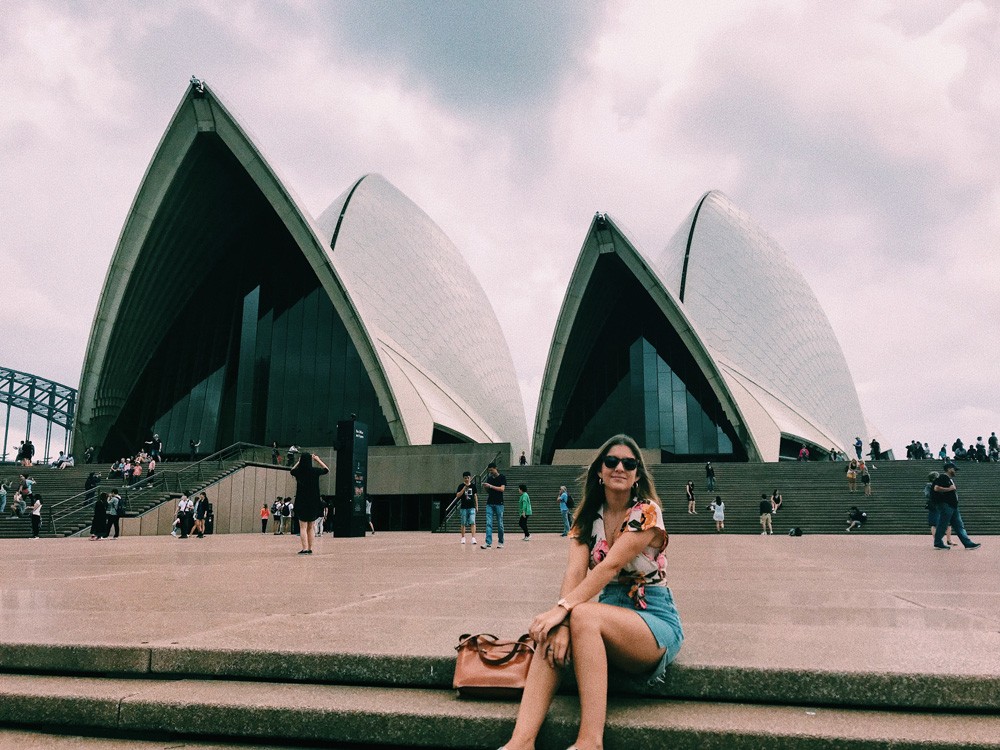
<point>543,623</point>
<point>557,648</point>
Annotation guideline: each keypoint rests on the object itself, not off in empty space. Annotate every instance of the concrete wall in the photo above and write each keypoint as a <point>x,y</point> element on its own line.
<point>417,469</point>
<point>583,456</point>
<point>236,500</point>
<point>409,470</point>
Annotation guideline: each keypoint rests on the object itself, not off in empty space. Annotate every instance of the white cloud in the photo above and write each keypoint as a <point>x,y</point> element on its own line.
<point>861,135</point>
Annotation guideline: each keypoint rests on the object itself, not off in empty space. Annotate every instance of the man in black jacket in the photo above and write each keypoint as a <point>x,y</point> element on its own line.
<point>947,495</point>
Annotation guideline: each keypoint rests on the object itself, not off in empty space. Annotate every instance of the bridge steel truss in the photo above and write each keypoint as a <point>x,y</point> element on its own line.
<point>53,402</point>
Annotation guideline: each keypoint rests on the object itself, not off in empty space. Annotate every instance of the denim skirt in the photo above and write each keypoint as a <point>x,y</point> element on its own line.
<point>660,616</point>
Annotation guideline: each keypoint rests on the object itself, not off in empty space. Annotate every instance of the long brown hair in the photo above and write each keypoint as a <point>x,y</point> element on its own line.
<point>593,491</point>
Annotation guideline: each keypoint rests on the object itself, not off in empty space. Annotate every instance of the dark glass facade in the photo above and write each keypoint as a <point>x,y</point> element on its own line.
<point>256,353</point>
<point>636,376</point>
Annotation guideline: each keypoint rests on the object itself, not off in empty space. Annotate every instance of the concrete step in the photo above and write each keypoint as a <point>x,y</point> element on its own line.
<point>402,717</point>
<point>930,691</point>
<point>63,739</point>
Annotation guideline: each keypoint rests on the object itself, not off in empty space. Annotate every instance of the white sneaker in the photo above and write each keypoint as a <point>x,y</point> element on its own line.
<point>499,546</point>
<point>474,540</point>
<point>463,540</point>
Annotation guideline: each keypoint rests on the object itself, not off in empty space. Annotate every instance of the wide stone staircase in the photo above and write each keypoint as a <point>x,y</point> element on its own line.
<point>66,509</point>
<point>815,497</point>
<point>343,700</point>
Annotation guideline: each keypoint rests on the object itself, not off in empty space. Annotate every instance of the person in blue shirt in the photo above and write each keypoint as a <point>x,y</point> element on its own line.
<point>564,509</point>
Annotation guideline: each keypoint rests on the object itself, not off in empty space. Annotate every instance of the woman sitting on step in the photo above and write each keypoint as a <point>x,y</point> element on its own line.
<point>617,551</point>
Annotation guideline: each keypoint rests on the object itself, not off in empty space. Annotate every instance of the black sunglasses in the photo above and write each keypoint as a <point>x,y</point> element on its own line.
<point>629,464</point>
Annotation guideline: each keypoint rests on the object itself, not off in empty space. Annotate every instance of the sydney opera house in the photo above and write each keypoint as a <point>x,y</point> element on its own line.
<point>230,314</point>
<point>715,349</point>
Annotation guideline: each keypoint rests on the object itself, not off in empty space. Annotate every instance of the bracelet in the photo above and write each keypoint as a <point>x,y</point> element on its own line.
<point>565,605</point>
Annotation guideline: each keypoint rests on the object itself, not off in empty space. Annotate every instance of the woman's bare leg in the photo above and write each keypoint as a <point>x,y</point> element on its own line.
<point>539,689</point>
<point>603,633</point>
<point>305,534</point>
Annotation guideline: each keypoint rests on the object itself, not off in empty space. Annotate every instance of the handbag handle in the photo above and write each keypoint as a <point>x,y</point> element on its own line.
<point>524,640</point>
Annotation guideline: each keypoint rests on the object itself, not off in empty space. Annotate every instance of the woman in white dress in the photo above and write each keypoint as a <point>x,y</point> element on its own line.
<point>718,509</point>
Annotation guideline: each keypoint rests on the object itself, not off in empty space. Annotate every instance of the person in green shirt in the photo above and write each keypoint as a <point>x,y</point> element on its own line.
<point>524,503</point>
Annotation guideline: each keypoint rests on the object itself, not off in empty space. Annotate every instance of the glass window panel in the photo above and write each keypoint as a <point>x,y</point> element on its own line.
<point>680,421</point>
<point>696,443</point>
<point>725,444</point>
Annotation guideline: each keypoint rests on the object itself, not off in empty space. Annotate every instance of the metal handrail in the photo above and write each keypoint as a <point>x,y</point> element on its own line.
<point>453,505</point>
<point>166,480</point>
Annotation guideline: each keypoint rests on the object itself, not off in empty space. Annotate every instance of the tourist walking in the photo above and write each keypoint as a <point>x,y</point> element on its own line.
<point>495,485</point>
<point>689,492</point>
<point>36,516</point>
<point>858,445</point>
<point>111,514</point>
<point>200,513</point>
<point>709,477</point>
<point>875,450</point>
<point>718,509</point>
<point>866,478</point>
<point>308,505</point>
<point>563,500</point>
<point>468,503</point>
<point>949,514</point>
<point>97,525</point>
<point>3,496</point>
<point>764,507</point>
<point>90,485</point>
<point>185,512</point>
<point>154,446</point>
<point>286,515</point>
<point>27,487</point>
<point>616,552</point>
<point>28,452</point>
<point>265,514</point>
<point>852,475</point>
<point>524,507</point>
<point>368,513</point>
<point>276,514</point>
<point>933,505</point>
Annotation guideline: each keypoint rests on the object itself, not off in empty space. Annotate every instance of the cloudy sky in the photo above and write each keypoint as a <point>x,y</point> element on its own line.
<point>862,135</point>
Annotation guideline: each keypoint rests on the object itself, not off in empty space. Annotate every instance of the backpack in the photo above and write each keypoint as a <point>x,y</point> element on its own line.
<point>569,501</point>
<point>796,531</point>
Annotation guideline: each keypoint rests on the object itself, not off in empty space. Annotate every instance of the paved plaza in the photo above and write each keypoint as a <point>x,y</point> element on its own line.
<point>845,604</point>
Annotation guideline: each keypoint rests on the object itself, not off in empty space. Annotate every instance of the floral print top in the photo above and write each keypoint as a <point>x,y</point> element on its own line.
<point>646,569</point>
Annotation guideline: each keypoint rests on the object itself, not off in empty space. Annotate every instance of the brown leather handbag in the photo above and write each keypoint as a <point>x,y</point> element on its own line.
<point>488,667</point>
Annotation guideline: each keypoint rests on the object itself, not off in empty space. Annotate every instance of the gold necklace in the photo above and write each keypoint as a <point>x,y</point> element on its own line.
<point>612,530</point>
